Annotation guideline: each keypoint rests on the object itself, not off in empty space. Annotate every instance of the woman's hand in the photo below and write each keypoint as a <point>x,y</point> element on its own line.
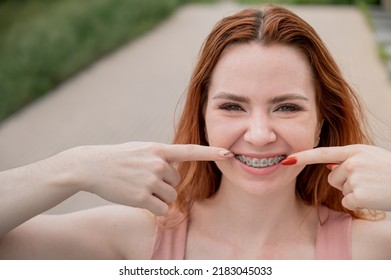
<point>136,174</point>
<point>361,172</point>
<point>133,174</point>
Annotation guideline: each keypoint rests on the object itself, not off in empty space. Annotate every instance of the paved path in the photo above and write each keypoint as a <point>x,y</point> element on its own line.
<point>132,94</point>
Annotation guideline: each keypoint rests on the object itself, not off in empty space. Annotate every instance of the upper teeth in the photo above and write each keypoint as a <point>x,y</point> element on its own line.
<point>260,162</point>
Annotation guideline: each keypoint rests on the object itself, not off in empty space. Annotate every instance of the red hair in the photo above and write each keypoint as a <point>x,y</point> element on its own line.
<point>338,105</point>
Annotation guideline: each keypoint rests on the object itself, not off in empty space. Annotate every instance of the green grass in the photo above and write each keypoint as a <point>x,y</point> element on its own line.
<point>44,42</point>
<point>320,2</point>
<point>382,53</point>
<point>381,49</point>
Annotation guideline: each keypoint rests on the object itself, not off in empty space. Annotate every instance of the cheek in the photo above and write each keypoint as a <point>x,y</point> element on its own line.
<point>300,136</point>
<point>221,132</point>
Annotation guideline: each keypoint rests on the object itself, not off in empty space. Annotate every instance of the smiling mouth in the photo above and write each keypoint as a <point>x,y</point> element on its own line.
<point>261,162</point>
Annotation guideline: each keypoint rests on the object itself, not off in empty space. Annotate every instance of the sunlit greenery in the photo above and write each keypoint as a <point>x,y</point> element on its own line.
<point>320,2</point>
<point>44,42</point>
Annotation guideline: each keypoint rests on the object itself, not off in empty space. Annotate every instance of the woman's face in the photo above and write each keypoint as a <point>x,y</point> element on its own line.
<point>261,106</point>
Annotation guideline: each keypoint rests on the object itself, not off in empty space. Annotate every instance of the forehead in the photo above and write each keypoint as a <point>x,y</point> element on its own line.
<point>251,67</point>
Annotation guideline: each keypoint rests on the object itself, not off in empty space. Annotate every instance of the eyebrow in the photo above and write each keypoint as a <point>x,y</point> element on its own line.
<point>232,97</point>
<point>288,97</point>
<point>274,100</point>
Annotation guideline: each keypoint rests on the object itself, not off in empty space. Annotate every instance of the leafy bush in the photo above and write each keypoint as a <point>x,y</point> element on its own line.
<point>44,42</point>
<point>324,2</point>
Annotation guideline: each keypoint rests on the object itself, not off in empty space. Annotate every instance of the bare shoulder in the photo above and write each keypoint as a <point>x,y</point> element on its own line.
<point>109,232</point>
<point>138,233</point>
<point>130,231</point>
<point>371,239</point>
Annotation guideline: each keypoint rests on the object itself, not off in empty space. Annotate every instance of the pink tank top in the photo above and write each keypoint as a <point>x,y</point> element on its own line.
<point>333,241</point>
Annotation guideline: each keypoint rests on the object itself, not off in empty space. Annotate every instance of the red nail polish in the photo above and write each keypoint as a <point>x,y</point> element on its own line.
<point>331,166</point>
<point>289,161</point>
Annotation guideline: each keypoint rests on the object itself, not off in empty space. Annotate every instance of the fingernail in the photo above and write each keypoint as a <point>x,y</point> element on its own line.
<point>289,161</point>
<point>331,166</point>
<point>226,153</point>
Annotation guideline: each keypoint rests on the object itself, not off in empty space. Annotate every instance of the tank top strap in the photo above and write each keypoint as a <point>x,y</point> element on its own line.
<point>334,236</point>
<point>170,243</point>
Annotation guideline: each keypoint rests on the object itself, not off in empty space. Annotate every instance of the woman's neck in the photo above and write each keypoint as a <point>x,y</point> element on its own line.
<point>239,214</point>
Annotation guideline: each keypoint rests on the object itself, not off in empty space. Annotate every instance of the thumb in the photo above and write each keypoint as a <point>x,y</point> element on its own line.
<point>350,202</point>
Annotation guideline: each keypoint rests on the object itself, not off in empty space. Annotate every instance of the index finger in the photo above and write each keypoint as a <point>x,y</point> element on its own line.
<point>321,155</point>
<point>192,152</point>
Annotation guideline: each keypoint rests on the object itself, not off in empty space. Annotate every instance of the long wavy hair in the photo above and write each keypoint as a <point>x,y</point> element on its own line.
<point>338,105</point>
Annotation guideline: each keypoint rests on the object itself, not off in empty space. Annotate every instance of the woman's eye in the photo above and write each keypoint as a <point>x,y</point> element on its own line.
<point>231,107</point>
<point>289,108</point>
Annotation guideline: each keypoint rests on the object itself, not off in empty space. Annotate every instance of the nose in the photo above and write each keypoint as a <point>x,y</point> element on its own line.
<point>260,131</point>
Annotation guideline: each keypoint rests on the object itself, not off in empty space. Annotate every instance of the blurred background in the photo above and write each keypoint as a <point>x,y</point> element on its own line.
<point>112,71</point>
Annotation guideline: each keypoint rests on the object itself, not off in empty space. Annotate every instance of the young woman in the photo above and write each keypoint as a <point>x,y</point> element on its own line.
<point>265,87</point>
